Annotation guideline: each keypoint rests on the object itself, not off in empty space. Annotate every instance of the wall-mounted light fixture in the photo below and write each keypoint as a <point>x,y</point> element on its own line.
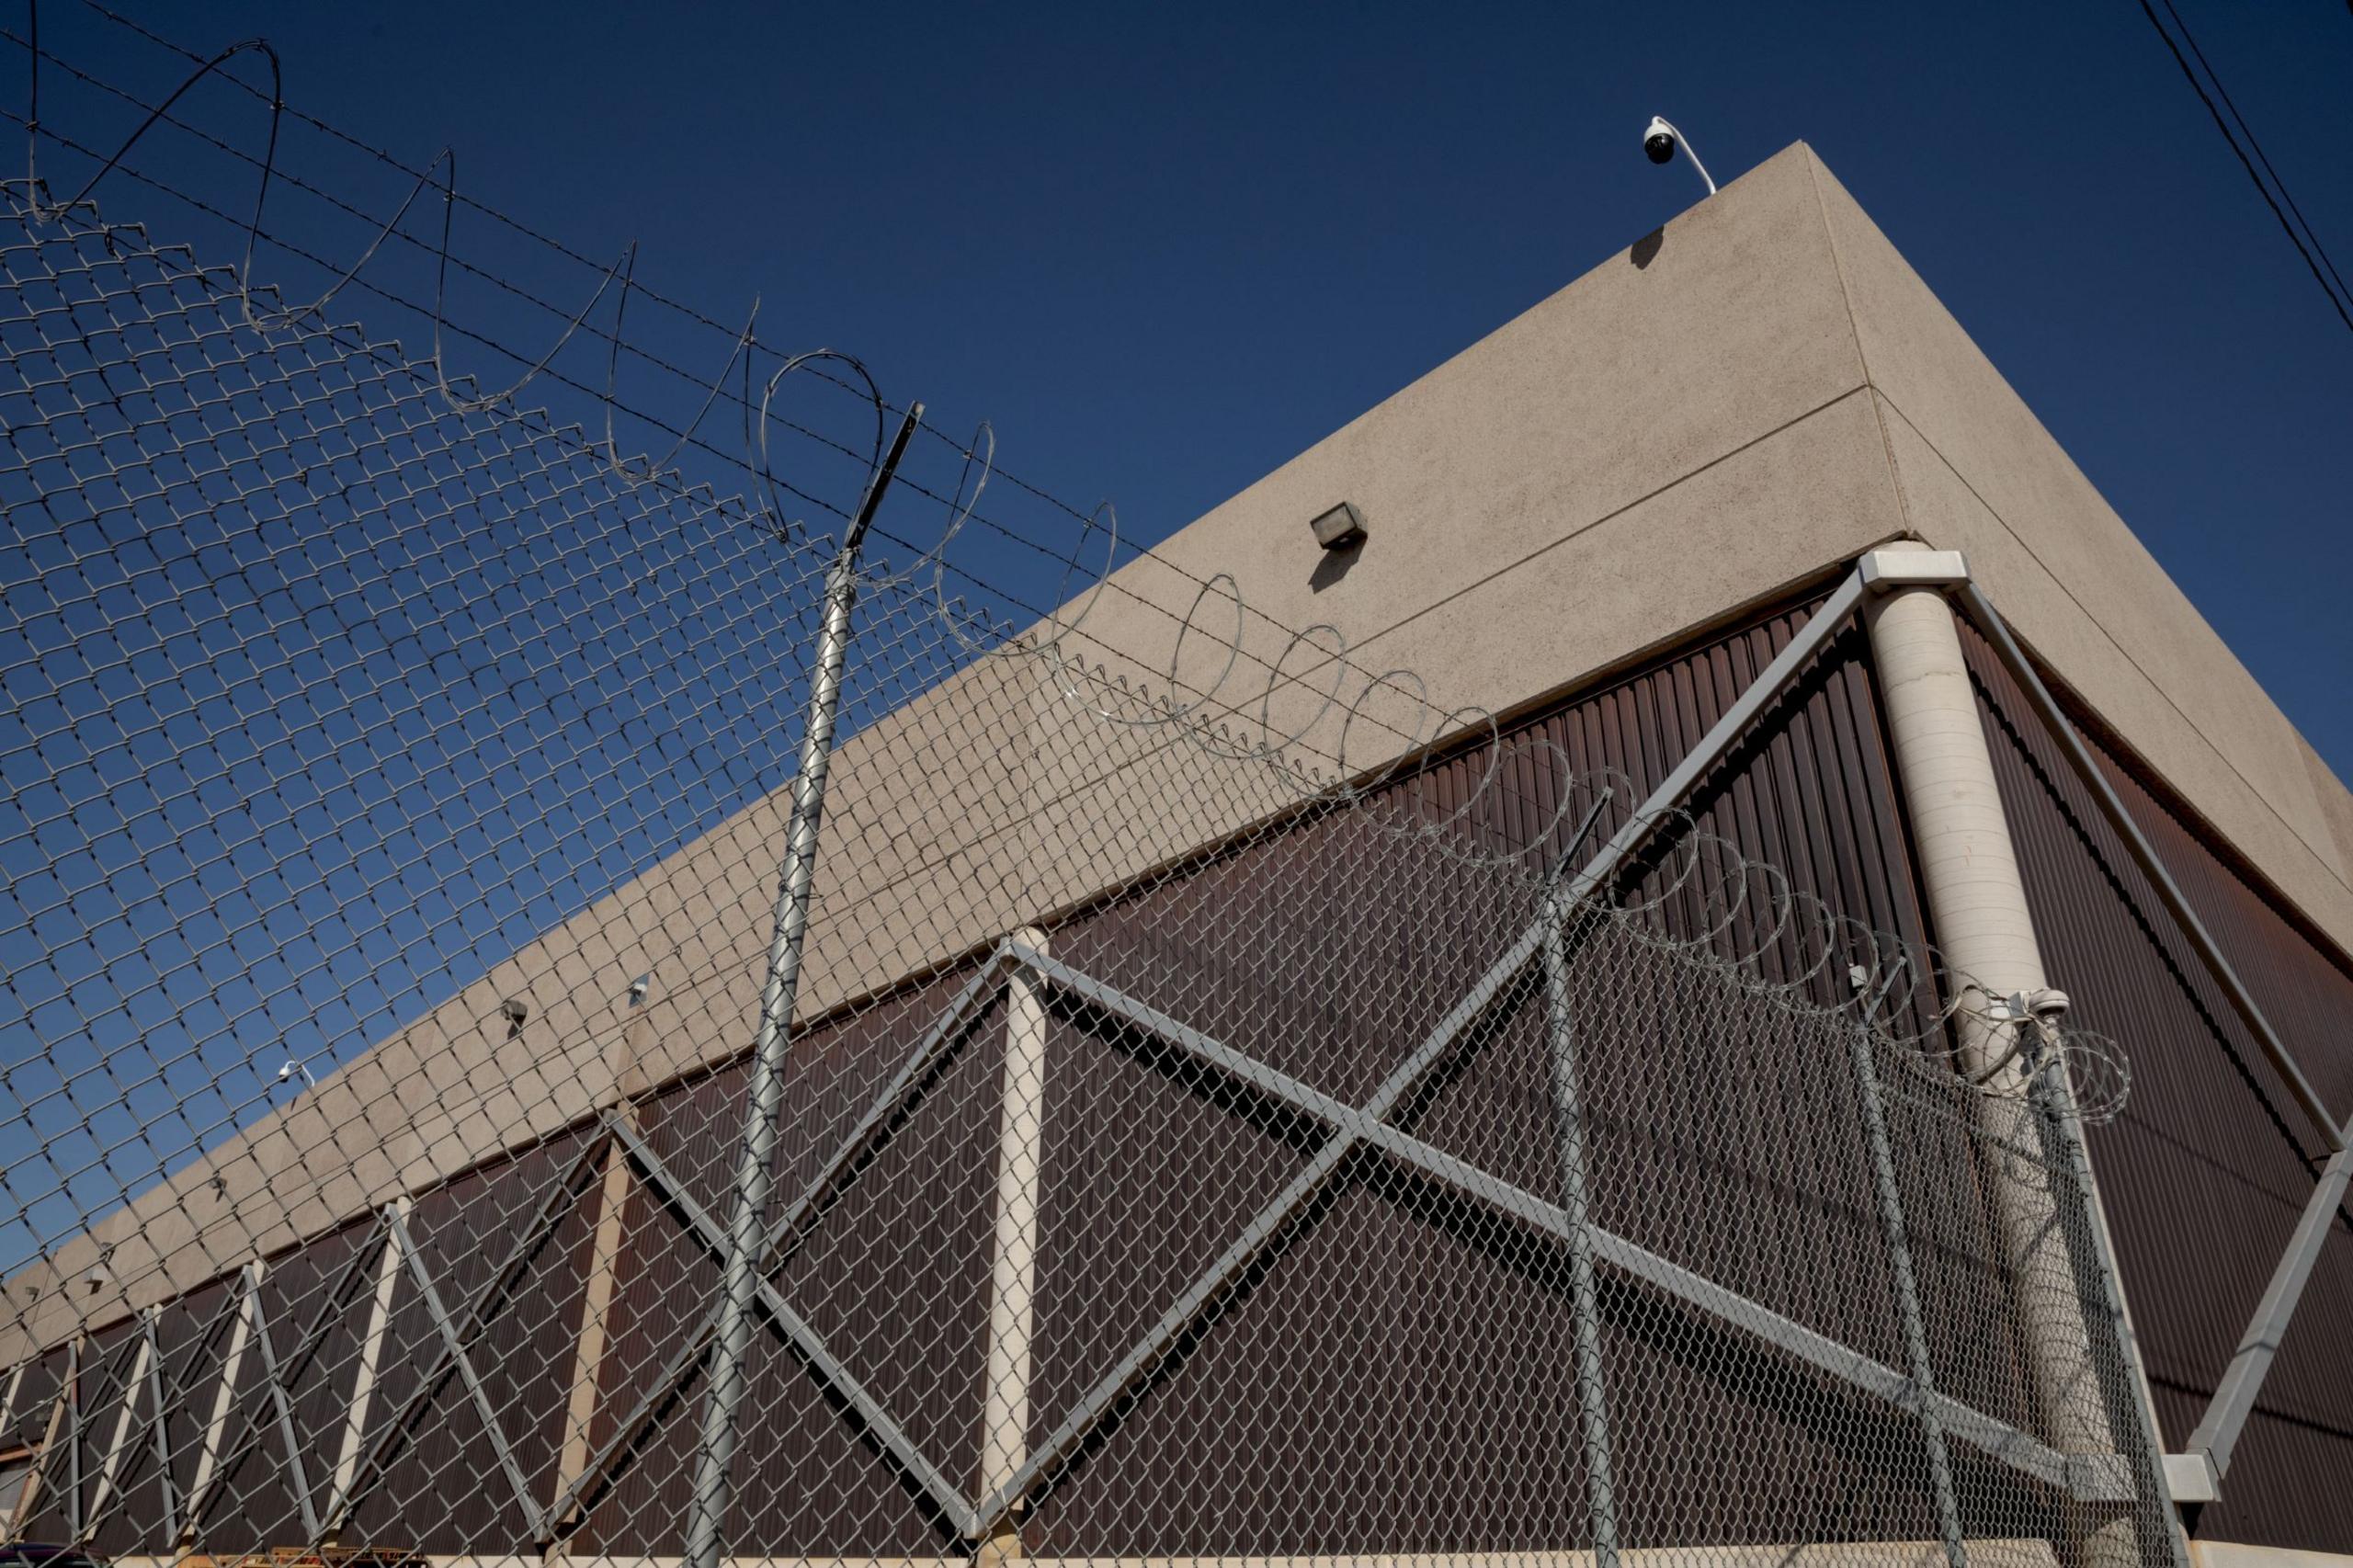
<point>1340,528</point>
<point>515,1012</point>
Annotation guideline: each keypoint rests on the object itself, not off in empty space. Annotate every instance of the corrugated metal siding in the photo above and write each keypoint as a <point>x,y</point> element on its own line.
<point>444,1471</point>
<point>892,1277</point>
<point>253,1503</point>
<point>2205,1174</point>
<point>1230,1449</point>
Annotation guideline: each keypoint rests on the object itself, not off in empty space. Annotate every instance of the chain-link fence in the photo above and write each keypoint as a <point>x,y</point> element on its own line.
<point>1155,1125</point>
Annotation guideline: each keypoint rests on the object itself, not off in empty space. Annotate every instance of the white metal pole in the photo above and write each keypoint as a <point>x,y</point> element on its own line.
<point>1004,1410</point>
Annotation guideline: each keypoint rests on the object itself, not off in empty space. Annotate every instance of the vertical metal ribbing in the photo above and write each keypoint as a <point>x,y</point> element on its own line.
<point>1908,1290</point>
<point>1568,1113</point>
<point>740,1277</point>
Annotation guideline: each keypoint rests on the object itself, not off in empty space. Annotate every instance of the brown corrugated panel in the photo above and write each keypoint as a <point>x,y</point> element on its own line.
<point>1395,1314</point>
<point>443,1488</point>
<point>891,1275</point>
<point>254,1504</point>
<point>2204,1175</point>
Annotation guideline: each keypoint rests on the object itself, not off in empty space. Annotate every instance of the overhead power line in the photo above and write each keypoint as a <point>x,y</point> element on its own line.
<point>2317,258</point>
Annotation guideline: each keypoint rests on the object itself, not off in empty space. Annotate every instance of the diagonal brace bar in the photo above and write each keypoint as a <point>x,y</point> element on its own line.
<point>2145,855</point>
<point>157,1429</point>
<point>2217,1430</point>
<point>797,1331</point>
<point>284,1409</point>
<point>2093,1477</point>
<point>334,1300</point>
<point>945,1033</point>
<point>464,1364</point>
<point>477,1316</point>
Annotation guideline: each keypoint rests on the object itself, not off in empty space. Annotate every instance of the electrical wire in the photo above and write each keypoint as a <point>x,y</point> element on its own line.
<point>2281,185</point>
<point>2319,277</point>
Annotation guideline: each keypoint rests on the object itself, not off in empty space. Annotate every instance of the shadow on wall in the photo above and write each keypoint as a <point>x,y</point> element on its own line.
<point>1646,249</point>
<point>1332,565</point>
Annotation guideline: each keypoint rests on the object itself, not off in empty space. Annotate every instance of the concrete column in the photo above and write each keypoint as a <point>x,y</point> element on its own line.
<point>1977,901</point>
<point>595,1319</point>
<point>1005,1397</point>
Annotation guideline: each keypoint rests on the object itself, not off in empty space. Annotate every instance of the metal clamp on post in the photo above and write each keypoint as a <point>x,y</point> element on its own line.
<point>1884,569</point>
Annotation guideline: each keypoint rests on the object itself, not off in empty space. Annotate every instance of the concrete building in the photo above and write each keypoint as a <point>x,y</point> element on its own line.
<point>1598,524</point>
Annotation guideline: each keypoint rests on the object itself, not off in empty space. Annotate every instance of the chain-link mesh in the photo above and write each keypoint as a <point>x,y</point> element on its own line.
<point>1181,1155</point>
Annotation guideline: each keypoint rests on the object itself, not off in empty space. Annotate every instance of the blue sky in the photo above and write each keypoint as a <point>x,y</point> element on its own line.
<point>1164,249</point>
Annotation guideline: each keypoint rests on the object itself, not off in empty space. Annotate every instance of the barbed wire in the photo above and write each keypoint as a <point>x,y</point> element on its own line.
<point>365,717</point>
<point>1193,713</point>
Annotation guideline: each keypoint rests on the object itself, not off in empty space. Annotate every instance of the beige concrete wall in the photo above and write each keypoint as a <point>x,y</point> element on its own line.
<point>1738,403</point>
<point>1978,472</point>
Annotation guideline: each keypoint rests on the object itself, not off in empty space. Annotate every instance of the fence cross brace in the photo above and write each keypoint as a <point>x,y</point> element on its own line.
<point>478,1313</point>
<point>946,1032</point>
<point>82,1514</point>
<point>1435,1048</point>
<point>257,1336</point>
<point>208,1471</point>
<point>463,1362</point>
<point>2093,1477</point>
<point>156,1428</point>
<point>111,1492</point>
<point>279,1404</point>
<point>803,1338</point>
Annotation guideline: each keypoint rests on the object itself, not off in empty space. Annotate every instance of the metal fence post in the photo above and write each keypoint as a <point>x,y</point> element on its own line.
<point>1907,1285</point>
<point>2116,1360</point>
<point>740,1279</point>
<point>1568,1114</point>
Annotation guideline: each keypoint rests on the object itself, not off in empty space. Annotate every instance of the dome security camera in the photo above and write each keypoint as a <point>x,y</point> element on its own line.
<point>1660,141</point>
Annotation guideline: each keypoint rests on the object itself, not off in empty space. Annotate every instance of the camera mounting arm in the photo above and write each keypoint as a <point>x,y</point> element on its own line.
<point>1659,142</point>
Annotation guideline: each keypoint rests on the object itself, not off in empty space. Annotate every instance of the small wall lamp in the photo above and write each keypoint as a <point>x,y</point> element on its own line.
<point>1340,528</point>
